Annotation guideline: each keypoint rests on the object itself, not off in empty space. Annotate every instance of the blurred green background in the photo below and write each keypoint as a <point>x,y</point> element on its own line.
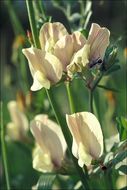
<point>16,79</point>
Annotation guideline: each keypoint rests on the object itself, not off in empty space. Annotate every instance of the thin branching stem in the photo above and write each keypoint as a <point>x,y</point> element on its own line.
<point>31,16</point>
<point>70,98</point>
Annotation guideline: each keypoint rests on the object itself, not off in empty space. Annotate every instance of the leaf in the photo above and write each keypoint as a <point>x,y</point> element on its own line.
<point>108,88</point>
<point>46,181</point>
<point>122,127</point>
<point>112,69</point>
<point>119,158</point>
<point>123,169</point>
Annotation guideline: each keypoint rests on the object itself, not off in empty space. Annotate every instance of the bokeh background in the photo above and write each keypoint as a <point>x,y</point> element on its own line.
<point>16,79</point>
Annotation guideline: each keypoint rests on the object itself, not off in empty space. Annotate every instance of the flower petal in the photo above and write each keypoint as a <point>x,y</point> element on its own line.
<point>84,156</point>
<point>48,139</point>
<point>100,44</point>
<point>44,67</point>
<point>87,133</point>
<point>38,80</point>
<point>50,33</point>
<point>18,118</point>
<point>90,125</point>
<point>79,40</point>
<point>64,50</point>
<point>98,40</point>
<point>53,68</point>
<point>79,60</point>
<point>41,161</point>
<point>93,32</point>
<point>70,119</point>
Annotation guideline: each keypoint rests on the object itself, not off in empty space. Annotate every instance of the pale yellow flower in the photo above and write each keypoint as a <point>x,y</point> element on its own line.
<point>92,51</point>
<point>46,68</point>
<point>51,146</point>
<point>18,127</point>
<point>67,46</point>
<point>87,137</point>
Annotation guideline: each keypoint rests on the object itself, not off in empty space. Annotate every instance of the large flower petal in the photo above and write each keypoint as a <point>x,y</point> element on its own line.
<point>86,132</point>
<point>99,40</point>
<point>48,136</point>
<point>94,138</point>
<point>78,40</point>
<point>100,44</point>
<point>64,50</point>
<point>45,68</point>
<point>66,47</point>
<point>41,160</point>
<point>50,33</point>
<point>79,60</point>
<point>93,32</point>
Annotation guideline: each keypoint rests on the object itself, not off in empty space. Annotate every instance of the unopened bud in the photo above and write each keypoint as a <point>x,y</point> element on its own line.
<point>29,36</point>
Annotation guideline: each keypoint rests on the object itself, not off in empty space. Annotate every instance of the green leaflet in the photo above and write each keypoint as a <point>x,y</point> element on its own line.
<point>123,169</point>
<point>122,127</point>
<point>112,69</point>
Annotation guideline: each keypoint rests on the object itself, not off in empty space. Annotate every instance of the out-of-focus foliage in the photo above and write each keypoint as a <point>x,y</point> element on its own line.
<point>109,96</point>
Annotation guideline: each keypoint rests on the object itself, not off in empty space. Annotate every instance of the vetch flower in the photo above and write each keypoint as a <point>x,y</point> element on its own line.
<point>46,68</point>
<point>19,126</point>
<point>51,146</point>
<point>87,137</point>
<point>67,46</point>
<point>93,49</point>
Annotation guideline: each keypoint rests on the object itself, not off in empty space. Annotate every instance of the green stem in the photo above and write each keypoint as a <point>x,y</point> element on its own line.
<point>31,16</point>
<point>91,91</point>
<point>3,146</point>
<point>91,101</point>
<point>72,107</point>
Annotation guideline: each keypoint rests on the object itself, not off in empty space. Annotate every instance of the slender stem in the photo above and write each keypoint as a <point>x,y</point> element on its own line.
<point>31,16</point>
<point>91,101</point>
<point>91,91</point>
<point>3,146</point>
<point>60,120</point>
<point>42,9</point>
<point>70,98</point>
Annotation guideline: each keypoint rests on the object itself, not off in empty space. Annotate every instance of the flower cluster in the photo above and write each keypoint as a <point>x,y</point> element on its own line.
<point>62,52</point>
<point>51,146</point>
<point>66,53</point>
